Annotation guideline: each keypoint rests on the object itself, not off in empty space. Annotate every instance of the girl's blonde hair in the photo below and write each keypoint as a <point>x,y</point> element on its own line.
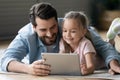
<point>79,16</point>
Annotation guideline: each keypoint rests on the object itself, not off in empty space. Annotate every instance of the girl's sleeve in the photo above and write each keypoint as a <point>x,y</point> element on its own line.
<point>89,48</point>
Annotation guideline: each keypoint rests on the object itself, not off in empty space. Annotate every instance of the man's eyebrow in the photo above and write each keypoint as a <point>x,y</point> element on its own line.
<point>42,28</point>
<point>53,26</point>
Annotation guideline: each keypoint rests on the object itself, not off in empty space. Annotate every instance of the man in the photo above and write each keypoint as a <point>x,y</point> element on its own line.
<point>43,35</point>
<point>40,36</point>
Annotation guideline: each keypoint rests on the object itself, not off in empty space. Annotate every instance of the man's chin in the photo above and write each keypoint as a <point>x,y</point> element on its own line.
<point>50,43</point>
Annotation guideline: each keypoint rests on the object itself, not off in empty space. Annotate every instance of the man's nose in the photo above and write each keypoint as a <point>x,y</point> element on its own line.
<point>49,34</point>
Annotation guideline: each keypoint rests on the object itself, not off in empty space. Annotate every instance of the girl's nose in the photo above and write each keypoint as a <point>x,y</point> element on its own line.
<point>68,34</point>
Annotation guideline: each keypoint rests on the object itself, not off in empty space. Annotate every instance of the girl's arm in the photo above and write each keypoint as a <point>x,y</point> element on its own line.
<point>89,67</point>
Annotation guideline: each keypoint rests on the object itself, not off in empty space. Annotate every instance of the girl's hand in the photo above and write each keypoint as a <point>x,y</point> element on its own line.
<point>84,70</point>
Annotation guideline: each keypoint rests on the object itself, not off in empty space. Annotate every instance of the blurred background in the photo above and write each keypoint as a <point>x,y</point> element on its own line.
<point>14,13</point>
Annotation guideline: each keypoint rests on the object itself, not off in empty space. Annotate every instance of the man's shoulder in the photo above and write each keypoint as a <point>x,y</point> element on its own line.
<point>91,28</point>
<point>93,31</point>
<point>27,30</point>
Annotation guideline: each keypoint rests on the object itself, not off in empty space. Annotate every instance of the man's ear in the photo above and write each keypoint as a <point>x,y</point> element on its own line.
<point>34,28</point>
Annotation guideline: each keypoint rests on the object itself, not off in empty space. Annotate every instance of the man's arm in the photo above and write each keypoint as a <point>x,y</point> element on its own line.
<point>107,51</point>
<point>36,68</point>
<point>15,66</point>
<point>103,48</point>
<point>18,48</point>
<point>16,51</point>
<point>11,60</point>
<point>114,67</point>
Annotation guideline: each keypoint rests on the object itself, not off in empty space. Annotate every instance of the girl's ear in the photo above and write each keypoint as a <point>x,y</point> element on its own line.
<point>84,31</point>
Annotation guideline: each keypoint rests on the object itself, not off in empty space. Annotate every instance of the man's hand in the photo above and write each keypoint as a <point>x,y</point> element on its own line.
<point>39,68</point>
<point>114,67</point>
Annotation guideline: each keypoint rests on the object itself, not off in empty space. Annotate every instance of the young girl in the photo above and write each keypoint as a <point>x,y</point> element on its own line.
<point>113,31</point>
<point>74,41</point>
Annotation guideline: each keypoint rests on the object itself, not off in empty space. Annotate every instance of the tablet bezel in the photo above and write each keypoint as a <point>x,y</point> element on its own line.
<point>63,63</point>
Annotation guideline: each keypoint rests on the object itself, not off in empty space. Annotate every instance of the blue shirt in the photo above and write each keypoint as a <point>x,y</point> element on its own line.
<point>27,43</point>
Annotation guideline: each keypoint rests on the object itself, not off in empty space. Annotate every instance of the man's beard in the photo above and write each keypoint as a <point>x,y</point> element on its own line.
<point>49,41</point>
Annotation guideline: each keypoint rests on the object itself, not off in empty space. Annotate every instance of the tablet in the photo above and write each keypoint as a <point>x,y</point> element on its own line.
<point>63,64</point>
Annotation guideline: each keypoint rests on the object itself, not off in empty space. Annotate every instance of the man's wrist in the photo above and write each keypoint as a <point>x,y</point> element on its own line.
<point>113,63</point>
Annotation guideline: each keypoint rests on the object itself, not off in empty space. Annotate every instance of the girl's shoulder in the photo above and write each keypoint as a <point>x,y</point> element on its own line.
<point>85,40</point>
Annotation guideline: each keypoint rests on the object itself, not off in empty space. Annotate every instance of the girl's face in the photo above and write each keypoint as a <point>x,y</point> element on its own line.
<point>72,31</point>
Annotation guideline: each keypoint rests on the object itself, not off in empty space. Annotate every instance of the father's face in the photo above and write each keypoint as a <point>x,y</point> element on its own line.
<point>47,30</point>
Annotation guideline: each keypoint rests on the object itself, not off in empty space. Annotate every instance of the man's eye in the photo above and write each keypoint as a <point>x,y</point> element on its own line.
<point>53,27</point>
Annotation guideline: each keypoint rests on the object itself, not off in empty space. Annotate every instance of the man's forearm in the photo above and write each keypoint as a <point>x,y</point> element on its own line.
<point>15,66</point>
<point>114,66</point>
<point>113,63</point>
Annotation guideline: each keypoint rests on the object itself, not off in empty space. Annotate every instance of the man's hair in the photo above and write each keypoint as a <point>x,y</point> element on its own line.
<point>43,11</point>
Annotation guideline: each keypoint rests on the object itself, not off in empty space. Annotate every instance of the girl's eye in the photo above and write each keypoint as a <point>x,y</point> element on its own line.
<point>73,31</point>
<point>64,30</point>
